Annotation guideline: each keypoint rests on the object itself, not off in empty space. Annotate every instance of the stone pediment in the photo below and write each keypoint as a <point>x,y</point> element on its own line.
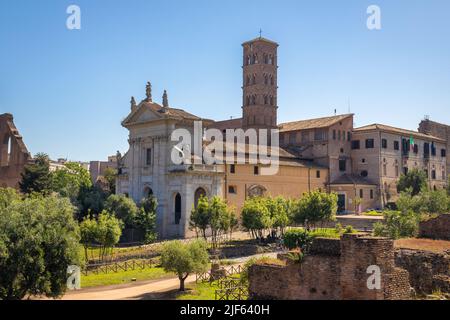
<point>144,113</point>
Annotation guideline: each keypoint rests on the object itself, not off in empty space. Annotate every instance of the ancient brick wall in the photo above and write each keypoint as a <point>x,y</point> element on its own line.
<point>334,269</point>
<point>436,228</point>
<point>315,278</point>
<point>427,270</point>
<point>13,153</point>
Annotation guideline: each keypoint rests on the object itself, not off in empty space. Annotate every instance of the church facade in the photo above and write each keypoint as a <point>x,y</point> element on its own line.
<point>314,154</point>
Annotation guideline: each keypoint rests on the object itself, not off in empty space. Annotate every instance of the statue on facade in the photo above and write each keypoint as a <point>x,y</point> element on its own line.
<point>133,104</point>
<point>148,92</point>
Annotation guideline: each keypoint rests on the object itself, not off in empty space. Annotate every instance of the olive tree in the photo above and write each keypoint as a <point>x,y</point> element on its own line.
<point>184,258</point>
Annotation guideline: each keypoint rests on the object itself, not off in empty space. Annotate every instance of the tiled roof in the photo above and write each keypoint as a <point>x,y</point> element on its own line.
<point>312,123</point>
<point>405,132</point>
<point>170,111</point>
<point>260,39</point>
<point>352,179</point>
<point>227,124</point>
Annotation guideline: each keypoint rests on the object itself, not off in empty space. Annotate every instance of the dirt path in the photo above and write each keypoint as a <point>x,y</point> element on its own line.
<point>142,289</point>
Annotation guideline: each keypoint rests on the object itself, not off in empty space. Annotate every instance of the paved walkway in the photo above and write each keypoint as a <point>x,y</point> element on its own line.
<point>141,289</point>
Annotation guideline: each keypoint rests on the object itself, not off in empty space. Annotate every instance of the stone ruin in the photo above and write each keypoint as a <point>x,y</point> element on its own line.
<point>436,227</point>
<point>13,153</point>
<point>334,269</point>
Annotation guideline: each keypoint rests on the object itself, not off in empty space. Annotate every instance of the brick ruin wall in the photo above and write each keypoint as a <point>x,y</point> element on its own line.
<point>13,153</point>
<point>428,271</point>
<point>436,228</point>
<point>331,274</point>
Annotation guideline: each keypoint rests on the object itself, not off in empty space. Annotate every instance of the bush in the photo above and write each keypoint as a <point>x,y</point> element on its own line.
<point>123,208</point>
<point>398,225</point>
<point>297,238</point>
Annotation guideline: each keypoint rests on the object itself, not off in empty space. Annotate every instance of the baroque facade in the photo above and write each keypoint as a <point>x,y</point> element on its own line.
<point>328,154</point>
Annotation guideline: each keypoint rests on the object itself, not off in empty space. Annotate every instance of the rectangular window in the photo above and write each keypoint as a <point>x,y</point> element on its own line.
<point>342,165</point>
<point>148,157</point>
<point>443,153</point>
<point>370,143</point>
<point>232,189</point>
<point>339,135</point>
<point>318,174</point>
<point>232,168</point>
<point>405,171</point>
<point>256,170</point>
<point>334,134</point>
<point>292,138</point>
<point>355,145</point>
<point>349,136</point>
<point>426,150</point>
<point>396,145</point>
<point>320,135</point>
<point>371,194</point>
<point>305,136</point>
<point>433,174</point>
<point>416,149</point>
<point>361,193</point>
<point>433,150</point>
<point>384,143</point>
<point>427,174</point>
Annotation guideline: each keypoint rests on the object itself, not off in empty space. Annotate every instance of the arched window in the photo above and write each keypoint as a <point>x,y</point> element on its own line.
<point>198,194</point>
<point>271,101</point>
<point>270,59</point>
<point>265,100</point>
<point>271,81</point>
<point>249,61</point>
<point>266,79</point>
<point>256,191</point>
<point>177,208</point>
<point>254,100</point>
<point>254,79</point>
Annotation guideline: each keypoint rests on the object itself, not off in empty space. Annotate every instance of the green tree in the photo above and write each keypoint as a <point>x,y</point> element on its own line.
<point>316,207</point>
<point>36,176</point>
<point>91,200</point>
<point>123,208</point>
<point>146,218</point>
<point>110,175</point>
<point>278,209</point>
<point>427,202</point>
<point>256,217</point>
<point>199,220</point>
<point>38,241</point>
<point>69,180</point>
<point>88,234</point>
<point>413,182</point>
<point>219,219</point>
<point>184,258</point>
<point>8,196</point>
<point>109,230</point>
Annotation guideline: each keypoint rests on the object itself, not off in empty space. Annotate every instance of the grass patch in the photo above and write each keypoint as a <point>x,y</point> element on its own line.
<point>199,291</point>
<point>94,280</point>
<point>373,213</point>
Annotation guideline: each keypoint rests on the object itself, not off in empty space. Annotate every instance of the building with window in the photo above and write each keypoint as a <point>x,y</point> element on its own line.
<point>361,165</point>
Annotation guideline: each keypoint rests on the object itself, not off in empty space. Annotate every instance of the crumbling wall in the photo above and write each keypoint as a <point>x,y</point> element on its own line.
<point>334,270</point>
<point>13,153</point>
<point>427,270</point>
<point>436,228</point>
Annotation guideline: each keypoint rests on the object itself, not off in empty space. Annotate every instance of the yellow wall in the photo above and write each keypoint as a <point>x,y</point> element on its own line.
<point>290,182</point>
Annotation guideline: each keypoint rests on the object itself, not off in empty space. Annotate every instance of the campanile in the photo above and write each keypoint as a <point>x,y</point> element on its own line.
<point>259,109</point>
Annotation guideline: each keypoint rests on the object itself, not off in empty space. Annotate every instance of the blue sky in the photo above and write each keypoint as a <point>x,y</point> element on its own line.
<point>69,89</point>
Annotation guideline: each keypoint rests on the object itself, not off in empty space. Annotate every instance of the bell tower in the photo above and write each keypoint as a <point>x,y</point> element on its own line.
<point>259,108</point>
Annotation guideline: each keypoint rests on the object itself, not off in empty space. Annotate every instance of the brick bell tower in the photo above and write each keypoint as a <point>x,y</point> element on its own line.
<point>259,110</point>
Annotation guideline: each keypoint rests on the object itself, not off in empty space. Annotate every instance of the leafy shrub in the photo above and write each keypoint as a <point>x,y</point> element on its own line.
<point>349,229</point>
<point>398,225</point>
<point>297,238</point>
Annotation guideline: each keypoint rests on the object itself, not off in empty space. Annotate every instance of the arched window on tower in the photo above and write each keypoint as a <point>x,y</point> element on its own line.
<point>266,100</point>
<point>271,101</point>
<point>266,79</point>
<point>254,79</point>
<point>177,207</point>
<point>271,81</point>
<point>253,99</point>
<point>256,58</point>
<point>249,60</point>
<point>270,59</point>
